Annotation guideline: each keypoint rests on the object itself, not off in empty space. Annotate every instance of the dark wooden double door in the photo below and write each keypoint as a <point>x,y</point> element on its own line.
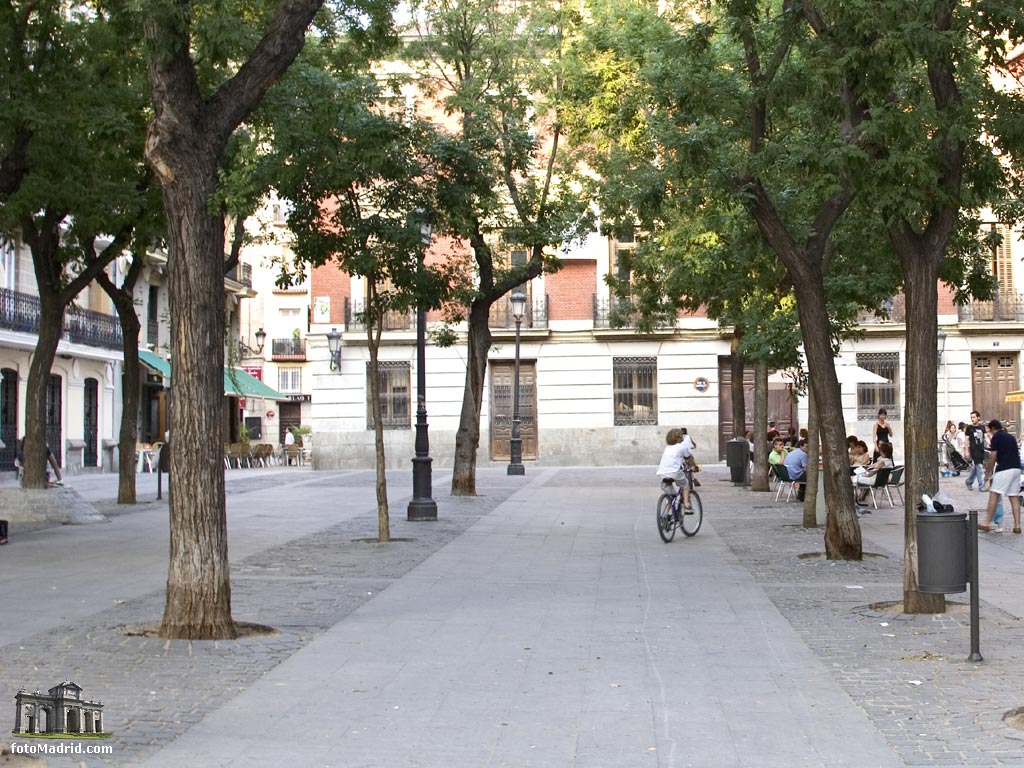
<point>781,405</point>
<point>502,375</point>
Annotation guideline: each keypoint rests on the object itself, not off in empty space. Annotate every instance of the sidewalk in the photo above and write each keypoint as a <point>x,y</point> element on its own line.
<point>541,624</point>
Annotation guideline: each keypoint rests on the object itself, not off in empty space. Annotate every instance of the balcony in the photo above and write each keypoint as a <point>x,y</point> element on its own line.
<point>20,312</point>
<point>393,321</point>
<point>288,349</point>
<point>536,314</point>
<point>241,273</point>
<point>892,310</point>
<point>1005,307</point>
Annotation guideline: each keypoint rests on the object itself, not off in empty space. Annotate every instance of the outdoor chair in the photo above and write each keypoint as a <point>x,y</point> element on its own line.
<point>784,482</point>
<point>881,478</point>
<point>895,483</point>
<point>153,456</point>
<point>293,451</point>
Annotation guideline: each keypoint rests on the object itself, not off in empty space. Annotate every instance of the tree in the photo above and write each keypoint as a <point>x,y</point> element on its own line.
<point>360,183</point>
<point>493,70</point>
<point>70,173</point>
<point>729,111</point>
<point>931,105</point>
<point>198,103</point>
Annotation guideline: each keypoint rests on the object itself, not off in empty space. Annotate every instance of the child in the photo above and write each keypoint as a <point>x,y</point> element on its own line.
<point>673,459</point>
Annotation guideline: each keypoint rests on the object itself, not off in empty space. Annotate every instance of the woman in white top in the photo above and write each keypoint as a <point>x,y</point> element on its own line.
<point>866,479</point>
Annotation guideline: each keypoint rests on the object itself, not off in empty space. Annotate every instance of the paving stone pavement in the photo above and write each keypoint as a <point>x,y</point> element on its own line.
<point>300,588</point>
<point>906,676</point>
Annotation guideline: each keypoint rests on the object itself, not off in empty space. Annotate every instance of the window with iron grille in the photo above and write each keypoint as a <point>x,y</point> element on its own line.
<point>393,381</point>
<point>871,397</point>
<point>634,390</point>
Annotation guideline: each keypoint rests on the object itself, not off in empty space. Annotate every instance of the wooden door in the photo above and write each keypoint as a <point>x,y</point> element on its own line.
<point>90,423</point>
<point>289,415</point>
<point>502,373</point>
<point>993,376</point>
<point>54,417</point>
<point>780,404</point>
<point>8,417</point>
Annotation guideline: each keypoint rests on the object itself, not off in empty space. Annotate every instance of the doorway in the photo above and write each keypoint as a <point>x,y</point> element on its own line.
<point>8,418</point>
<point>90,423</point>
<point>54,408</point>
<point>780,404</point>
<point>502,374</point>
<point>992,377</point>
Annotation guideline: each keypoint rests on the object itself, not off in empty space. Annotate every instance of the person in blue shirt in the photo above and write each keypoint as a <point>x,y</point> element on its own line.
<point>1002,474</point>
<point>796,466</point>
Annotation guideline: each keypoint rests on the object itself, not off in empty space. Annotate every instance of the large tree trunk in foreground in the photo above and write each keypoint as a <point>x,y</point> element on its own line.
<point>467,439</point>
<point>198,602</point>
<point>51,321</point>
<point>185,144</point>
<point>921,277</point>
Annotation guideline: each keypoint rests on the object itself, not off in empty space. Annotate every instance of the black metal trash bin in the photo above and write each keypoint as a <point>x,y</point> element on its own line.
<point>943,552</point>
<point>737,456</point>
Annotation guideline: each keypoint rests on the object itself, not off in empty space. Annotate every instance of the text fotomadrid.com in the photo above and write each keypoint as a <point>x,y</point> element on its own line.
<point>62,749</point>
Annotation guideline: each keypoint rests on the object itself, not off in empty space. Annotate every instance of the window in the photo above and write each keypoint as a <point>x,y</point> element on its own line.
<point>634,390</point>
<point>289,380</point>
<point>871,397</point>
<point>153,317</point>
<point>8,259</point>
<point>393,381</point>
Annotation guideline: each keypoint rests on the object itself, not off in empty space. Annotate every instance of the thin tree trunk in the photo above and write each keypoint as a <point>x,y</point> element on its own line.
<point>467,439</point>
<point>131,381</point>
<point>737,397</point>
<point>374,324</point>
<point>760,480</point>
<point>813,475</point>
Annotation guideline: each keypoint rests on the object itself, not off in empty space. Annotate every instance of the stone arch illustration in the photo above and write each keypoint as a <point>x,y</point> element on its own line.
<point>61,710</point>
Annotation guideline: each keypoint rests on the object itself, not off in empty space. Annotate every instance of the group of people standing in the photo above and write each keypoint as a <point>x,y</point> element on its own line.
<point>994,464</point>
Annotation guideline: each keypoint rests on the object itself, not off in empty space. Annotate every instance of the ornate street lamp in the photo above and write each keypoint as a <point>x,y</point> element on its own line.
<point>515,464</point>
<point>244,349</point>
<point>422,505</point>
<point>334,347</point>
<point>941,344</point>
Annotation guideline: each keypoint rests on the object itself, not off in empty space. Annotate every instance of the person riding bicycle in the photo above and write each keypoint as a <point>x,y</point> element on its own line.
<point>674,460</point>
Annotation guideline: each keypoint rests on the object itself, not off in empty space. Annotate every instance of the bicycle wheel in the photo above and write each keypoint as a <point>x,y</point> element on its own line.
<point>666,523</point>
<point>693,518</point>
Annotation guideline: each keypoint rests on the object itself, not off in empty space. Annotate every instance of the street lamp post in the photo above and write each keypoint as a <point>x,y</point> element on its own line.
<point>422,506</point>
<point>515,464</point>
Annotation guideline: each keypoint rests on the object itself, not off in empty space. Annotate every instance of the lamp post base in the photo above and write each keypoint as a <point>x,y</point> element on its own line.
<point>422,506</point>
<point>516,469</point>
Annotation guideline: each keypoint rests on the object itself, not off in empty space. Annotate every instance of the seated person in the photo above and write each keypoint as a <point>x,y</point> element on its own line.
<point>19,463</point>
<point>796,466</point>
<point>859,456</point>
<point>862,481</point>
<point>778,452</point>
<point>851,443</point>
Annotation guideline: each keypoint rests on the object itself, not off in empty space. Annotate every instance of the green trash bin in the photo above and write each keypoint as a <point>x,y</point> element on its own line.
<point>943,552</point>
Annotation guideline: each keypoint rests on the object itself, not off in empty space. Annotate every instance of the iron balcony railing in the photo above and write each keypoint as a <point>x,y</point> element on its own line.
<point>1006,306</point>
<point>536,314</point>
<point>241,273</point>
<point>288,349</point>
<point>20,312</point>
<point>393,321</point>
<point>892,310</point>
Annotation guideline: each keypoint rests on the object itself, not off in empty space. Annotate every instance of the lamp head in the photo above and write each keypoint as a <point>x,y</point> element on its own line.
<point>518,300</point>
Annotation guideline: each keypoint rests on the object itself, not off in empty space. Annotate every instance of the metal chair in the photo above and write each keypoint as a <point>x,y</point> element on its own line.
<point>895,482</point>
<point>784,481</point>
<point>881,477</point>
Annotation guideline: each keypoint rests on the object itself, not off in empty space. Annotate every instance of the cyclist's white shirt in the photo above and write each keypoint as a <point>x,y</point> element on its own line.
<point>672,458</point>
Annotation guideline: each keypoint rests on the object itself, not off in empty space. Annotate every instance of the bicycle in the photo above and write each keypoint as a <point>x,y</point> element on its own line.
<point>672,515</point>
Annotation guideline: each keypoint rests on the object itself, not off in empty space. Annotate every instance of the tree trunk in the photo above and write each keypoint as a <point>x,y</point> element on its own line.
<point>759,482</point>
<point>198,588</point>
<point>738,399</point>
<point>467,439</point>
<point>373,330</point>
<point>51,324</point>
<point>842,528</point>
<point>920,278</point>
<point>128,436</point>
<point>813,477</point>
